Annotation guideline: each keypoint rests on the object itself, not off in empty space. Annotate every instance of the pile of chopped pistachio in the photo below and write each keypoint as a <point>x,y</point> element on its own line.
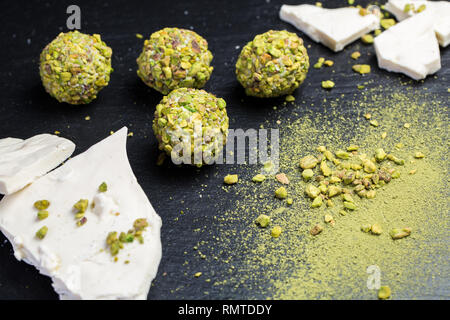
<point>377,199</point>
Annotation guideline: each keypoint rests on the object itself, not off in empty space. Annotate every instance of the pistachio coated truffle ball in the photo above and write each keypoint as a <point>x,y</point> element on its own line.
<point>74,67</point>
<point>275,63</point>
<point>175,58</point>
<point>191,124</point>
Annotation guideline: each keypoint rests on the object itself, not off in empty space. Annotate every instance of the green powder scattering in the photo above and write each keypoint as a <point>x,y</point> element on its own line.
<point>333,264</point>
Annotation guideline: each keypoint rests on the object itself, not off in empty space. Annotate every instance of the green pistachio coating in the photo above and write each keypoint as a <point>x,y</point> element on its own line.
<point>183,111</point>
<point>175,58</point>
<point>273,64</point>
<point>74,67</point>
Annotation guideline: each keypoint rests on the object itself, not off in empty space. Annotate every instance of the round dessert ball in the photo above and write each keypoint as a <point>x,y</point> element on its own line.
<point>175,58</point>
<point>193,120</point>
<point>75,66</point>
<point>275,63</point>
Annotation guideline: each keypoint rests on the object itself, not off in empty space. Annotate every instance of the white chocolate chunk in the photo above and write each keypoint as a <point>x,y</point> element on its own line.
<point>410,47</point>
<point>335,28</point>
<point>441,14</point>
<point>77,258</point>
<point>23,161</point>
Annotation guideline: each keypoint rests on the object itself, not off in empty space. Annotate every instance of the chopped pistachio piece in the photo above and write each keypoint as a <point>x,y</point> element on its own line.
<point>81,205</point>
<point>42,232</point>
<point>307,174</point>
<point>42,214</point>
<point>333,191</point>
<point>329,63</point>
<point>421,8</point>
<point>103,187</point>
<point>308,162</point>
<point>377,32</point>
<point>349,205</point>
<point>289,201</point>
<point>367,39</point>
<point>259,178</point>
<point>366,228</point>
<point>352,148</point>
<point>290,98</point>
<point>369,166</point>
<point>347,197</point>
<point>342,154</point>
<point>198,274</point>
<point>376,229</point>
<point>384,292</point>
<point>42,204</point>
<point>400,233</point>
<point>355,55</point>
<point>276,231</point>
<point>281,193</point>
<point>380,155</point>
<point>282,178</point>
<point>387,23</point>
<point>374,123</point>
<point>361,68</point>
<point>262,220</point>
<point>328,84</point>
<point>419,155</point>
<point>326,171</point>
<point>328,218</point>
<point>312,191</point>
<point>317,202</point>
<point>316,230</point>
<point>230,179</point>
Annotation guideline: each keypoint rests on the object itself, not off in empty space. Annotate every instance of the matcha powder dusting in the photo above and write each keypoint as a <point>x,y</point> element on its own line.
<point>385,188</point>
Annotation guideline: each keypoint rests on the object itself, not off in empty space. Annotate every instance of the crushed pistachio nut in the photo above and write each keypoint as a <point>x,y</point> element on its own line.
<point>366,228</point>
<point>276,231</point>
<point>355,55</point>
<point>384,292</point>
<point>82,221</point>
<point>42,214</point>
<point>308,162</point>
<point>231,179</point>
<point>103,187</point>
<point>419,155</point>
<point>263,220</point>
<point>259,178</point>
<point>387,23</point>
<point>361,68</point>
<point>377,32</point>
<point>380,155</point>
<point>349,205</point>
<point>374,123</point>
<point>319,63</point>
<point>342,154</point>
<point>317,202</point>
<point>328,84</point>
<point>316,230</point>
<point>139,36</point>
<point>312,191</point>
<point>81,206</point>
<point>42,232</point>
<point>421,8</point>
<point>376,229</point>
<point>282,178</point>
<point>334,191</point>
<point>198,274</point>
<point>281,193</point>
<point>289,98</point>
<point>328,63</point>
<point>42,204</point>
<point>307,174</point>
<point>408,7</point>
<point>289,201</point>
<point>400,233</point>
<point>367,39</point>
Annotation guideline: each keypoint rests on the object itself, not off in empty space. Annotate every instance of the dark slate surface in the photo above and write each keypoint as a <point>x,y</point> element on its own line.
<point>26,109</point>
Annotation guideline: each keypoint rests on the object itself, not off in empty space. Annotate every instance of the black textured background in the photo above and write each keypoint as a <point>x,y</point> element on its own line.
<point>26,109</point>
